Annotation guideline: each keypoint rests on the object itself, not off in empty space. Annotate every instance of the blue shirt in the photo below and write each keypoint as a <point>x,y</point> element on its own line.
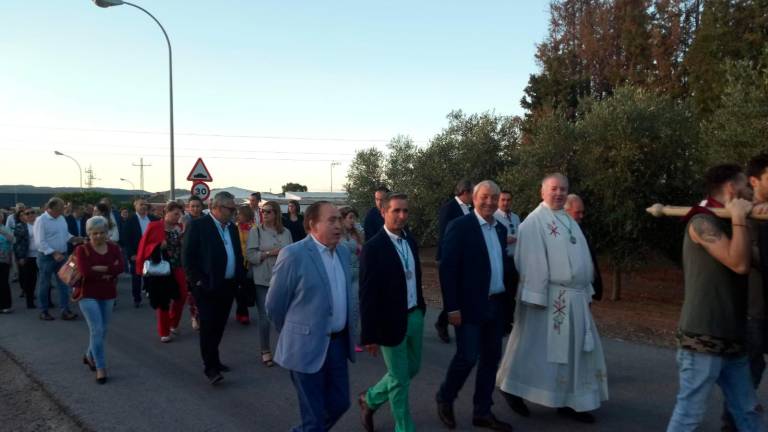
<point>227,239</point>
<point>338,281</point>
<point>494,255</point>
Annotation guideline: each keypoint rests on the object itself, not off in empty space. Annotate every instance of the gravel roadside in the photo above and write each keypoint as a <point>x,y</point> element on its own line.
<point>26,405</point>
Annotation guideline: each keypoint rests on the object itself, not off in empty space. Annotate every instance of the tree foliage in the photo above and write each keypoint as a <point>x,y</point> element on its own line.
<point>86,197</point>
<point>294,187</point>
<point>365,174</point>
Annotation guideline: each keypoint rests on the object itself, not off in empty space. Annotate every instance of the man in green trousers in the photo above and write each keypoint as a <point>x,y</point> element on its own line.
<point>391,312</point>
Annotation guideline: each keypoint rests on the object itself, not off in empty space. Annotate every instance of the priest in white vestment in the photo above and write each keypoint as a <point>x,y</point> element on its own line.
<point>554,356</point>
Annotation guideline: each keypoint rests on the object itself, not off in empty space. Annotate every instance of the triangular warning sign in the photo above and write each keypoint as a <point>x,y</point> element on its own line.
<point>199,172</point>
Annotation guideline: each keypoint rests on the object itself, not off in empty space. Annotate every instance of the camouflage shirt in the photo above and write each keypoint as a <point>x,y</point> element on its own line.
<point>709,344</point>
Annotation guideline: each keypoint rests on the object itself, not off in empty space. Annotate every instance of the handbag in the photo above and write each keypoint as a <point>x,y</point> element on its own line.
<point>160,268</point>
<point>70,274</point>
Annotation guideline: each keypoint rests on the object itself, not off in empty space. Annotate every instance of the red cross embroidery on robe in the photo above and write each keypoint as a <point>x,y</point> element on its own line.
<point>553,229</point>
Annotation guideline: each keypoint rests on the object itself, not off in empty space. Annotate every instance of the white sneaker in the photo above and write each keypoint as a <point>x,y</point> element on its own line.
<point>174,331</point>
<point>195,324</point>
<point>165,339</point>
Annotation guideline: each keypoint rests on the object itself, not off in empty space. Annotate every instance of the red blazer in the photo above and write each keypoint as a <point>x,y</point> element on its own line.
<point>152,238</point>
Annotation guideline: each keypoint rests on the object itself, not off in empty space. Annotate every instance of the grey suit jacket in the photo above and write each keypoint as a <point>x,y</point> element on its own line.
<point>300,306</point>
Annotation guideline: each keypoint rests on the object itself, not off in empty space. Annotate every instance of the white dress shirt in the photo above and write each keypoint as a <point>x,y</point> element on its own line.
<point>51,234</point>
<point>229,273</point>
<point>338,281</point>
<point>409,264</point>
<point>32,251</point>
<point>143,222</point>
<point>511,222</point>
<point>494,255</point>
<point>464,207</point>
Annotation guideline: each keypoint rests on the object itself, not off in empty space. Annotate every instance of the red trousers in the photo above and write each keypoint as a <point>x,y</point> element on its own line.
<point>168,319</point>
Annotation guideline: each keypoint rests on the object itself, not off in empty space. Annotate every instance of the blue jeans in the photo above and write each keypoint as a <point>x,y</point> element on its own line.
<point>699,373</point>
<point>97,313</point>
<point>476,344</point>
<point>47,268</point>
<point>324,395</point>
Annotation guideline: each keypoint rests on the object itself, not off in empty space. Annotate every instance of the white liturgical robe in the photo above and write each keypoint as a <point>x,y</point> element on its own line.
<point>554,356</point>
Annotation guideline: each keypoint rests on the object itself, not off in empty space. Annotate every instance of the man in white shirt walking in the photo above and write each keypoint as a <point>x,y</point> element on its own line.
<point>52,237</point>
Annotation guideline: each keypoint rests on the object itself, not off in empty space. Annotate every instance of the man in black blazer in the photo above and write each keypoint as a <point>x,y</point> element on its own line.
<point>459,205</point>
<point>76,224</point>
<point>373,220</point>
<point>476,275</point>
<point>213,261</point>
<point>391,312</point>
<point>133,229</point>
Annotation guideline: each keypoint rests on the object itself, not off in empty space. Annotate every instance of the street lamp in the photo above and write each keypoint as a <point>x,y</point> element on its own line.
<point>109,3</point>
<point>333,164</point>
<point>131,183</point>
<point>79,169</point>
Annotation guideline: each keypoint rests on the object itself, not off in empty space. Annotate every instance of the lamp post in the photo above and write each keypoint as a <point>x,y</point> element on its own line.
<point>79,169</point>
<point>333,164</point>
<point>109,3</point>
<point>131,183</point>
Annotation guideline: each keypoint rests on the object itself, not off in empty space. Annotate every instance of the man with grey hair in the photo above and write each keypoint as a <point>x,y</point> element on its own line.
<point>475,277</point>
<point>214,264</point>
<point>574,205</point>
<point>554,356</point>
<point>52,238</point>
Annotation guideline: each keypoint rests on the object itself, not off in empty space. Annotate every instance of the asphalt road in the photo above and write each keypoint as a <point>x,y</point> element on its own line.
<point>154,386</point>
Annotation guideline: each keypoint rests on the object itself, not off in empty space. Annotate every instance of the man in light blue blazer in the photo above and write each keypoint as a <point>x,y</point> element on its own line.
<point>313,306</point>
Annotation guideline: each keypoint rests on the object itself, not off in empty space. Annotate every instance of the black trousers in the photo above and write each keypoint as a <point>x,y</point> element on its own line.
<point>28,280</point>
<point>213,312</point>
<point>5,286</point>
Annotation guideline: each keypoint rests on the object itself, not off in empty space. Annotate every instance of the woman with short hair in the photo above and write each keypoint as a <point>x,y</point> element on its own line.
<point>264,244</point>
<point>167,294</point>
<point>26,253</point>
<point>100,262</point>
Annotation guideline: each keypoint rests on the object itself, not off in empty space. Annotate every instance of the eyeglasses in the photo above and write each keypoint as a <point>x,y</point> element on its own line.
<point>232,209</point>
<point>267,211</point>
<point>31,212</point>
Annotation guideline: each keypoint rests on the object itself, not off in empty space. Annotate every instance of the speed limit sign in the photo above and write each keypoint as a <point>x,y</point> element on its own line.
<point>201,189</point>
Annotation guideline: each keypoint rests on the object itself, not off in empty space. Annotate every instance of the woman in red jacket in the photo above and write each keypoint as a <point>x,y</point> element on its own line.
<point>100,263</point>
<point>167,294</point>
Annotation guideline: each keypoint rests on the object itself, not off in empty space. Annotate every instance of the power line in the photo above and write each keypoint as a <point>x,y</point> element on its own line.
<point>200,134</point>
<point>207,157</point>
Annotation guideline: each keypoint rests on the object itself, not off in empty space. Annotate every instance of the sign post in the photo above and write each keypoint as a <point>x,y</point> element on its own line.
<point>198,176</point>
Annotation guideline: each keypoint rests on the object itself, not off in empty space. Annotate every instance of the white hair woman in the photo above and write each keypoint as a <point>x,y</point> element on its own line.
<point>100,262</point>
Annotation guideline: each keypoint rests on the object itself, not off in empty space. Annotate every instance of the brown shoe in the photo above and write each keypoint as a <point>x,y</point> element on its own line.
<point>366,413</point>
<point>491,422</point>
<point>45,316</point>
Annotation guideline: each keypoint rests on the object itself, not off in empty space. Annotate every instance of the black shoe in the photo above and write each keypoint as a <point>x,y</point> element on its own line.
<point>45,316</point>
<point>445,413</point>
<point>583,417</point>
<point>491,422</point>
<point>442,332</point>
<point>214,377</point>
<point>516,403</point>
<point>366,413</point>
<point>89,362</point>
<point>223,368</point>
<point>68,316</point>
<point>101,380</point>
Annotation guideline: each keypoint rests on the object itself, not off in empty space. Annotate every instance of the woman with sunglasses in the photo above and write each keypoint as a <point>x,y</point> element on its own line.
<point>263,246</point>
<point>26,254</point>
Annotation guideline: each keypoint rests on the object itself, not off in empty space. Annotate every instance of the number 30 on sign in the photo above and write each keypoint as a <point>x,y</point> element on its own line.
<point>201,189</point>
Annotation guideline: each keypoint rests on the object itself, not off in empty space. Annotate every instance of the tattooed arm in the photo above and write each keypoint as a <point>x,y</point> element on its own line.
<point>733,252</point>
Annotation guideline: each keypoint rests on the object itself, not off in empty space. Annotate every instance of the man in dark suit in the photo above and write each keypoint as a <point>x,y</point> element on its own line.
<point>574,205</point>
<point>76,224</point>
<point>213,261</point>
<point>373,220</point>
<point>391,312</point>
<point>459,205</point>
<point>134,228</point>
<point>476,275</point>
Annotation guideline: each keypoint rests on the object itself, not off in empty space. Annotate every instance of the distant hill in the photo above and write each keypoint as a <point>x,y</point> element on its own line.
<point>37,196</point>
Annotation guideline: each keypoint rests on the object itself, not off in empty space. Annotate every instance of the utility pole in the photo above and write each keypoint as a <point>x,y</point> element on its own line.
<point>141,166</point>
<point>90,177</point>
<point>333,164</point>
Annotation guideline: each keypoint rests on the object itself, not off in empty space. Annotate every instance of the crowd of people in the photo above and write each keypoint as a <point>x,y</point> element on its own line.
<point>332,288</point>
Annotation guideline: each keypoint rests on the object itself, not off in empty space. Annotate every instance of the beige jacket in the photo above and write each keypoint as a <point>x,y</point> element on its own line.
<point>261,241</point>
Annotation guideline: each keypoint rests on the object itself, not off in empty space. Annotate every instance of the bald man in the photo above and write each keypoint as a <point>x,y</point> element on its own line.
<point>574,205</point>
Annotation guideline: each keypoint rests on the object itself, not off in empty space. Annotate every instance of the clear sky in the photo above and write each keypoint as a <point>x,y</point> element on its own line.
<point>266,92</point>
